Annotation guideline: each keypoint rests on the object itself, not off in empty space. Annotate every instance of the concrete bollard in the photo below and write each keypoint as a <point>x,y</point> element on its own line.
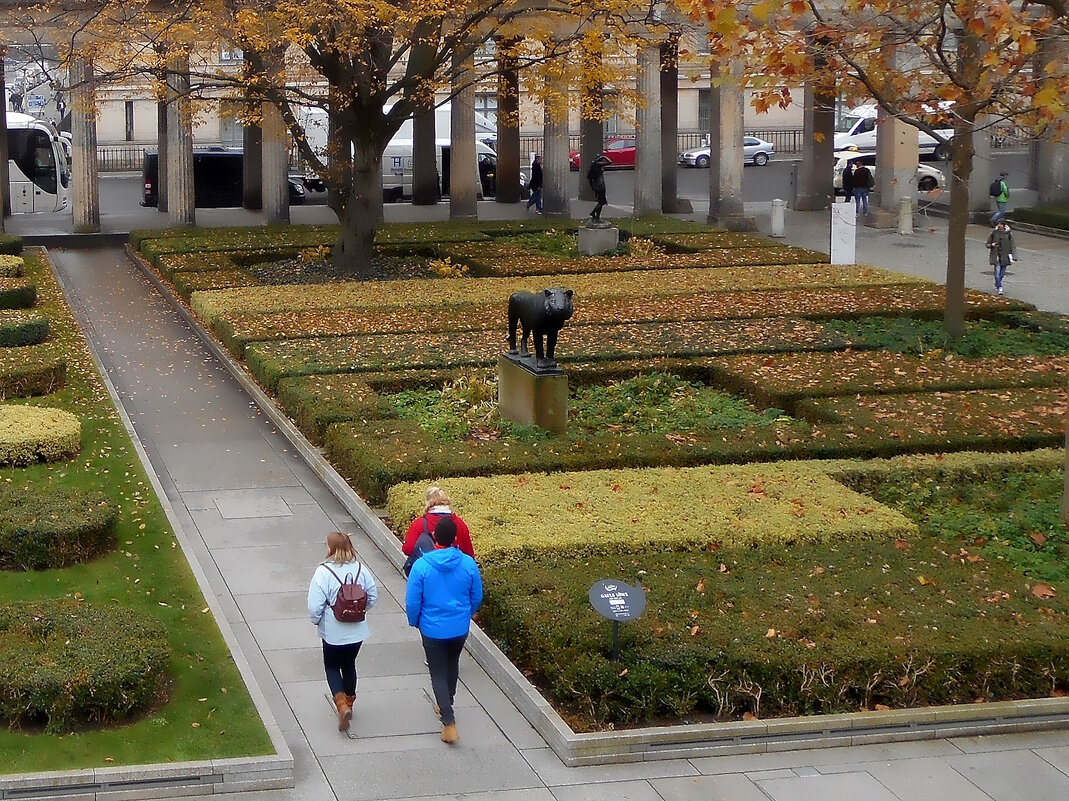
<point>905,216</point>
<point>777,217</point>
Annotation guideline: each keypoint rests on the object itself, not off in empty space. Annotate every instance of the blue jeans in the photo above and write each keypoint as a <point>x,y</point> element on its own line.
<point>536,199</point>
<point>443,660</point>
<point>1000,213</point>
<point>861,200</point>
<point>1001,265</point>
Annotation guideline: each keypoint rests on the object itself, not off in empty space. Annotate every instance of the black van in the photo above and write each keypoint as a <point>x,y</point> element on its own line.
<point>218,175</point>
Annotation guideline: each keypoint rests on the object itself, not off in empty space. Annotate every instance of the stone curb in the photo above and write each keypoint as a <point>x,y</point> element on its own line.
<point>164,780</point>
<point>662,742</point>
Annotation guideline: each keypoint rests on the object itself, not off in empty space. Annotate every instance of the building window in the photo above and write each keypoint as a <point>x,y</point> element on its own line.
<point>129,120</point>
<point>612,125</point>
<point>705,102</point>
<point>231,55</point>
<point>486,104</point>
<point>230,125</point>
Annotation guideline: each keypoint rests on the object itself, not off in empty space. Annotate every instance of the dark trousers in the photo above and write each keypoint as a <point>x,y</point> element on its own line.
<point>443,659</point>
<point>600,195</point>
<point>339,662</point>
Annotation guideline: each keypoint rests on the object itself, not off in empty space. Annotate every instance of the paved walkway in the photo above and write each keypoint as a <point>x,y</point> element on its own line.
<point>257,517</point>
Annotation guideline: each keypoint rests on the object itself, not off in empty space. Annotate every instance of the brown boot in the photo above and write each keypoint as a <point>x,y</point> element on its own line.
<point>449,733</point>
<point>351,700</point>
<point>345,711</point>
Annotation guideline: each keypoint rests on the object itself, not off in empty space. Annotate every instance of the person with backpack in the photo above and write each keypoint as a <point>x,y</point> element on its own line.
<point>341,591</point>
<point>1000,191</point>
<point>437,505</point>
<point>863,183</point>
<point>444,591</point>
<point>1002,251</point>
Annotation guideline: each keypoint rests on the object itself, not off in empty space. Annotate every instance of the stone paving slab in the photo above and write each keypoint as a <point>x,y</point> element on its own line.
<point>304,524</point>
<point>252,570</point>
<point>1013,775</point>
<point>729,787</point>
<point>553,773</point>
<point>1058,757</point>
<point>838,787</point>
<point>928,779</point>
<point>617,791</point>
<point>251,463</point>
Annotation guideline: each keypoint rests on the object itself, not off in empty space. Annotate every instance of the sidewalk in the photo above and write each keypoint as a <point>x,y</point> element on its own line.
<point>258,516</point>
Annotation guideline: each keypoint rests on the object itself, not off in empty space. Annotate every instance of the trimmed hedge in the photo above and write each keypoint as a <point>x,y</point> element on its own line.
<point>1052,216</point>
<point>17,293</point>
<point>413,293</point>
<point>10,245</point>
<point>18,329</point>
<point>30,434</point>
<point>30,371</point>
<point>67,663</point>
<point>188,282</point>
<point>11,266</point>
<point>602,512</point>
<point>57,527</point>
<point>172,263</point>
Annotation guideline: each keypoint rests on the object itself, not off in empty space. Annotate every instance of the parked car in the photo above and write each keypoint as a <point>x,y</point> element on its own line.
<point>754,150</point>
<point>928,178</point>
<point>620,151</point>
<point>218,175</point>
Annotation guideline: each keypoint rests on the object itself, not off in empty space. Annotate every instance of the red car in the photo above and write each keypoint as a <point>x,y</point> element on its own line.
<point>620,151</point>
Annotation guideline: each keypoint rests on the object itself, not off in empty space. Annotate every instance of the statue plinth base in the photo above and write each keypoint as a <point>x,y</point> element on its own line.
<point>596,240</point>
<point>529,394</point>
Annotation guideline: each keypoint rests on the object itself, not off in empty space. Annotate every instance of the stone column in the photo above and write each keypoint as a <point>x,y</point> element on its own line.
<point>508,125</point>
<point>1052,152</point>
<point>648,132</point>
<point>5,174</point>
<point>725,151</point>
<point>162,161</point>
<point>896,164</point>
<point>591,126</point>
<point>252,145</point>
<point>555,200</point>
<point>274,149</point>
<point>85,183</point>
<point>425,190</point>
<point>181,203</point>
<point>463,168</point>
<point>670,202</point>
<point>816,172</point>
<point>983,172</point>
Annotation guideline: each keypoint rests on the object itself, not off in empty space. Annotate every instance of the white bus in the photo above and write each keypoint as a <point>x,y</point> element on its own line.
<point>37,164</point>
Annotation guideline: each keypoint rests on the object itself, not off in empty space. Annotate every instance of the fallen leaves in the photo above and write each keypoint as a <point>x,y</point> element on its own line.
<point>1043,591</point>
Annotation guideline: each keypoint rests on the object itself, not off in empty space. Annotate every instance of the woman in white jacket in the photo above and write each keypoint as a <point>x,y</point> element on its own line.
<point>341,641</point>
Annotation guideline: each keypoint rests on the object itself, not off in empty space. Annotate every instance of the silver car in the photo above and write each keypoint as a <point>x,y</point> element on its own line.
<point>753,149</point>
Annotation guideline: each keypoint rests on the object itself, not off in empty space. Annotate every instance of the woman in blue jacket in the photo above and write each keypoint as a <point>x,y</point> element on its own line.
<point>444,590</point>
<point>341,641</point>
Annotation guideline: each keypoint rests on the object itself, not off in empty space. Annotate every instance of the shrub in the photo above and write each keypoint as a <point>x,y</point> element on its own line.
<point>28,372</point>
<point>18,329</point>
<point>11,266</point>
<point>56,528</point>
<point>1053,216</point>
<point>17,293</point>
<point>981,339</point>
<point>188,282</point>
<point>10,245</point>
<point>172,263</point>
<point>67,663</point>
<point>31,433</point>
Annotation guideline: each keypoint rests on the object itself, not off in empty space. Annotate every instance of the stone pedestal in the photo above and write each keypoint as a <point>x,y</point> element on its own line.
<point>843,233</point>
<point>595,241</point>
<point>527,396</point>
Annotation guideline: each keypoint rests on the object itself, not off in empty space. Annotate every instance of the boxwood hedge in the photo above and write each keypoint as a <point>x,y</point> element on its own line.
<point>64,663</point>
<point>29,371</point>
<point>18,328</point>
<point>35,433</point>
<point>53,527</point>
<point>17,293</point>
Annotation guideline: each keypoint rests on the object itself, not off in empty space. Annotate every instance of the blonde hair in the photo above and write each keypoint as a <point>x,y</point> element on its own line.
<point>340,549</point>
<point>436,496</point>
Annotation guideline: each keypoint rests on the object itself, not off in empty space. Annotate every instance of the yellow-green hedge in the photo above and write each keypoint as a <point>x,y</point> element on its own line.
<point>415,292</point>
<point>11,266</point>
<point>33,433</point>
<point>614,511</point>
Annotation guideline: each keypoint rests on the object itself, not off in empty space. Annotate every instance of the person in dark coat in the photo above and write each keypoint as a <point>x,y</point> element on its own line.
<point>1002,251</point>
<point>848,181</point>
<point>863,184</point>
<point>535,184</point>
<point>596,177</point>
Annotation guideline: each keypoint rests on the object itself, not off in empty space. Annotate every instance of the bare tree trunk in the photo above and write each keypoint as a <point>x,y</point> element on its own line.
<point>359,213</point>
<point>1065,488</point>
<point>954,313</point>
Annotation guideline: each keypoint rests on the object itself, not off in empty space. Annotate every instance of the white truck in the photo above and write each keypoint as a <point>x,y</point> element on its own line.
<point>856,130</point>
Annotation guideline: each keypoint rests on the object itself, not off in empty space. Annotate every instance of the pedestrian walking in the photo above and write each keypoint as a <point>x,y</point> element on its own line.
<point>16,100</point>
<point>862,185</point>
<point>1002,251</point>
<point>1000,191</point>
<point>444,590</point>
<point>327,601</point>
<point>535,184</point>
<point>596,177</point>
<point>848,182</point>
<point>61,105</point>
<point>436,505</point>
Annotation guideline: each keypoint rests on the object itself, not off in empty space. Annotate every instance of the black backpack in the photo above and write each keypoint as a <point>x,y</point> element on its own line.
<point>996,188</point>
<point>350,604</point>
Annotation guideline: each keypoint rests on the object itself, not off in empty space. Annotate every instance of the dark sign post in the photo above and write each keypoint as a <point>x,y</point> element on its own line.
<point>617,601</point>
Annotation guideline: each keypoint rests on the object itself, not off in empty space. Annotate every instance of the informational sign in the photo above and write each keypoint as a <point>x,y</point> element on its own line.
<point>616,600</point>
<point>398,165</point>
<point>35,102</point>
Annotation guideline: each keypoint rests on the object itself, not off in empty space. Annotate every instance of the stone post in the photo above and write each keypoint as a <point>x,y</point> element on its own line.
<point>725,151</point>
<point>463,167</point>
<point>274,149</point>
<point>896,164</point>
<point>648,132</point>
<point>181,202</point>
<point>5,174</point>
<point>85,183</point>
<point>1052,152</point>
<point>815,188</point>
<point>591,126</point>
<point>983,172</point>
<point>425,190</point>
<point>670,202</point>
<point>508,125</point>
<point>555,200</point>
